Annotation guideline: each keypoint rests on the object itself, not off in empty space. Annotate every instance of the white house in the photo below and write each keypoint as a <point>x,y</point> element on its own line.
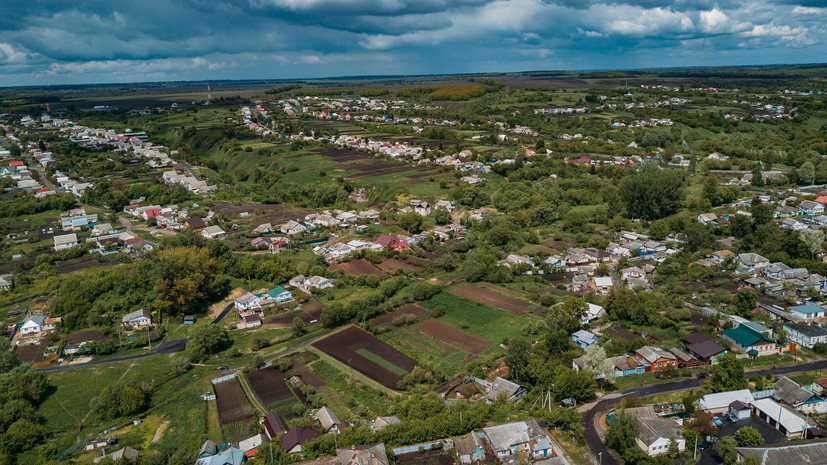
<point>66,241</point>
<point>213,232</point>
<point>137,319</point>
<point>319,282</point>
<point>808,311</point>
<point>806,335</point>
<point>593,313</point>
<point>291,228</point>
<point>654,435</point>
<point>719,402</point>
<point>247,301</point>
<point>32,325</point>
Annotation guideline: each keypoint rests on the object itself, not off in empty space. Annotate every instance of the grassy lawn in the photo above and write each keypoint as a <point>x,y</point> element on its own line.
<point>420,347</point>
<point>355,394</point>
<point>381,362</point>
<point>489,323</point>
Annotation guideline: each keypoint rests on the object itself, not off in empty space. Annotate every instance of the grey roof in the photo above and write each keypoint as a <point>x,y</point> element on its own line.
<point>503,436</point>
<point>373,454</point>
<point>382,422</point>
<point>585,336</point>
<point>503,387</point>
<point>790,420</point>
<point>790,392</point>
<point>807,330</point>
<point>650,430</point>
<point>723,399</point>
<point>812,453</point>
<point>327,418</point>
<point>647,411</point>
<point>682,355</point>
<point>466,444</point>
<point>652,354</point>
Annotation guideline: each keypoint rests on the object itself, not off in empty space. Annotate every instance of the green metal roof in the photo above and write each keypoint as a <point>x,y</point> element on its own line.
<point>747,337</point>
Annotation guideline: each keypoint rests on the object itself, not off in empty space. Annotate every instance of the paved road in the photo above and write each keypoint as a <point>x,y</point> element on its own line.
<point>223,313</point>
<point>596,445</point>
<point>166,347</point>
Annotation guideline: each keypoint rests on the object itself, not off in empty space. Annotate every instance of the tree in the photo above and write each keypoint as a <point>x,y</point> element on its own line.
<point>595,361</point>
<point>621,433</point>
<point>674,450</point>
<point>757,177</point>
<point>703,423</point>
<point>260,341</point>
<point>516,357</point>
<point>748,436</point>
<point>206,341</point>
<point>710,191</point>
<point>186,279</point>
<point>659,230</point>
<point>411,222</point>
<point>728,374</point>
<point>813,239</point>
<point>745,302</point>
<point>297,328</point>
<point>442,216</point>
<point>568,314</point>
<point>806,173</point>
<point>726,450</point>
<point>652,193</point>
<point>579,385</point>
<point>8,358</point>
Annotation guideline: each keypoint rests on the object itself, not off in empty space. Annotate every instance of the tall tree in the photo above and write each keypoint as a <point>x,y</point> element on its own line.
<point>728,374</point>
<point>813,238</point>
<point>595,361</point>
<point>517,355</point>
<point>806,173</point>
<point>652,193</point>
<point>757,177</point>
<point>748,436</point>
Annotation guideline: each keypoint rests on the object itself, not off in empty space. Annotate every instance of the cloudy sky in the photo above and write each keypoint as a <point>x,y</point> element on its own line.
<point>93,41</point>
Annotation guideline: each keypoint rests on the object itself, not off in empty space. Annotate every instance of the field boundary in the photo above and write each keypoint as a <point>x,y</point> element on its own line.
<point>251,394</point>
<point>377,359</point>
<point>353,373</point>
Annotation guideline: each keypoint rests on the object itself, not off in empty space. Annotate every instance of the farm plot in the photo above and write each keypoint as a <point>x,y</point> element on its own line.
<point>486,322</point>
<point>388,318</point>
<point>358,267</point>
<point>314,309</point>
<point>368,355</point>
<point>285,319</point>
<point>232,405</point>
<point>456,337</point>
<point>484,296</point>
<point>29,353</point>
<point>389,265</point>
<point>270,385</point>
<point>422,347</point>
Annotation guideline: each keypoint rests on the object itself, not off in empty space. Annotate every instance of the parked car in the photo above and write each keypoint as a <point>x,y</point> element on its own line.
<point>732,417</point>
<point>704,445</point>
<point>222,367</point>
<point>232,327</point>
<point>717,421</point>
<point>702,375</point>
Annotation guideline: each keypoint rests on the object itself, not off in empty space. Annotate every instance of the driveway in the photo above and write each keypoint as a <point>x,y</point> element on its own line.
<point>770,435</point>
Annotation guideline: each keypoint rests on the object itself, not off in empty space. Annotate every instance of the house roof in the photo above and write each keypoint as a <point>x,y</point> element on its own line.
<point>652,354</point>
<point>274,424</point>
<point>706,349</point>
<point>382,422</point>
<point>252,442</point>
<point>230,456</point>
<point>502,437</point>
<point>467,444</point>
<point>790,392</point>
<point>195,222</point>
<point>696,338</point>
<point>806,330</point>
<point>738,406</point>
<point>327,418</point>
<point>788,454</point>
<point>297,435</point>
<point>807,308</point>
<point>502,387</point>
<point>36,319</point>
<point>650,430</point>
<point>135,315</point>
<point>747,337</point>
<point>385,239</point>
<point>603,281</point>
<point>585,336</point>
<point>373,454</point>
<point>66,239</point>
<point>125,453</point>
<point>719,400</point>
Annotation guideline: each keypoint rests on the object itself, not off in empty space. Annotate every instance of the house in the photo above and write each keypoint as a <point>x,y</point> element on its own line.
<point>806,335</point>
<point>32,325</point>
<point>513,260</point>
<point>511,392</point>
<point>584,338</point>
<point>247,301</point>
<point>469,448</point>
<point>741,410</point>
<point>751,261</point>
<point>707,218</point>
<point>422,208</point>
<point>446,204</point>
<point>381,423</point>
<point>137,319</point>
<point>706,349</point>
<point>102,229</point>
<point>654,435</point>
<point>799,452</point>
<point>207,448</point>
<point>749,341</point>
<point>51,323</point>
<point>392,241</point>
<point>787,392</point>
<point>189,319</point>
<point>291,228</point>
<point>632,272</point>
<point>655,358</point>
<point>127,453</point>
<point>264,228</point>
<point>327,419</point>
<point>719,402</point>
<point>5,282</point>
<point>373,454</point>
<point>319,282</point>
<point>213,232</point>
<point>808,207</point>
<point>293,439</point>
<point>602,284</point>
<point>514,438</point>
<point>66,241</point>
<point>787,421</point>
<point>592,314</point>
<point>195,223</point>
<point>274,425</point>
<point>807,311</point>
<point>279,295</point>
<point>251,320</point>
<point>229,456</point>
<point>251,443</point>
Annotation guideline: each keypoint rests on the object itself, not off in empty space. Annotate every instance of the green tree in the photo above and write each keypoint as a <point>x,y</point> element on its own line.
<point>579,385</point>
<point>411,222</point>
<point>806,173</point>
<point>261,341</point>
<point>186,279</point>
<point>297,328</point>
<point>652,193</point>
<point>757,177</point>
<point>442,216</point>
<point>621,432</point>
<point>726,450</point>
<point>748,436</point>
<point>568,314</point>
<point>594,361</point>
<point>745,302</point>
<point>813,239</point>
<point>517,355</point>
<point>8,358</point>
<point>728,374</point>
<point>711,191</point>
<point>659,230</point>
<point>206,341</point>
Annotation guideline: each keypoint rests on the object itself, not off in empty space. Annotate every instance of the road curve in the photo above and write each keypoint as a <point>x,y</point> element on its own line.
<point>598,448</point>
<point>166,347</point>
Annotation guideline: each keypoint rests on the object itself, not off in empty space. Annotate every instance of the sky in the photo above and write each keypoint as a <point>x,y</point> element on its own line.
<point>104,41</point>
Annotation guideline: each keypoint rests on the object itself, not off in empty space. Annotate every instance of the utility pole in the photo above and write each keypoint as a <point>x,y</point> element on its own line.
<point>695,452</point>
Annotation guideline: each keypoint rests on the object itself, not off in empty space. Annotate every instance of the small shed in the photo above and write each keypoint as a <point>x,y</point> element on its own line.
<point>741,410</point>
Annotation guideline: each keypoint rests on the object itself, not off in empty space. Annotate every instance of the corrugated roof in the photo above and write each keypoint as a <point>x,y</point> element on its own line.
<point>813,453</point>
<point>720,400</point>
<point>788,419</point>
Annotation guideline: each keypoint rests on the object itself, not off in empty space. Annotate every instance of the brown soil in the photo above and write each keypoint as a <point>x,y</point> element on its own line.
<point>387,319</point>
<point>484,296</point>
<point>456,337</point>
<point>358,267</point>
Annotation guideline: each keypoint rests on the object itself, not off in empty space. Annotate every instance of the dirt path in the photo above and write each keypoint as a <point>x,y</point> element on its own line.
<point>159,433</point>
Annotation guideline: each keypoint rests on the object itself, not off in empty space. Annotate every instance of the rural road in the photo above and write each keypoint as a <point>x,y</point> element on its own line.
<point>596,446</point>
<point>166,347</point>
<point>223,313</point>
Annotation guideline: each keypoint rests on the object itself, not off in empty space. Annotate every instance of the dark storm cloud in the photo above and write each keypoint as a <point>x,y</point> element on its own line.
<point>47,41</point>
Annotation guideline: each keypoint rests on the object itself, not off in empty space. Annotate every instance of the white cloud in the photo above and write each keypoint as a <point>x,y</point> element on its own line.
<point>10,54</point>
<point>641,22</point>
<point>806,10</point>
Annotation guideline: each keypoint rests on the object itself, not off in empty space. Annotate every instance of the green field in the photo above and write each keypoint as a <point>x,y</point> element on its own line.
<point>381,362</point>
<point>420,347</point>
<point>489,323</point>
<point>357,396</point>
